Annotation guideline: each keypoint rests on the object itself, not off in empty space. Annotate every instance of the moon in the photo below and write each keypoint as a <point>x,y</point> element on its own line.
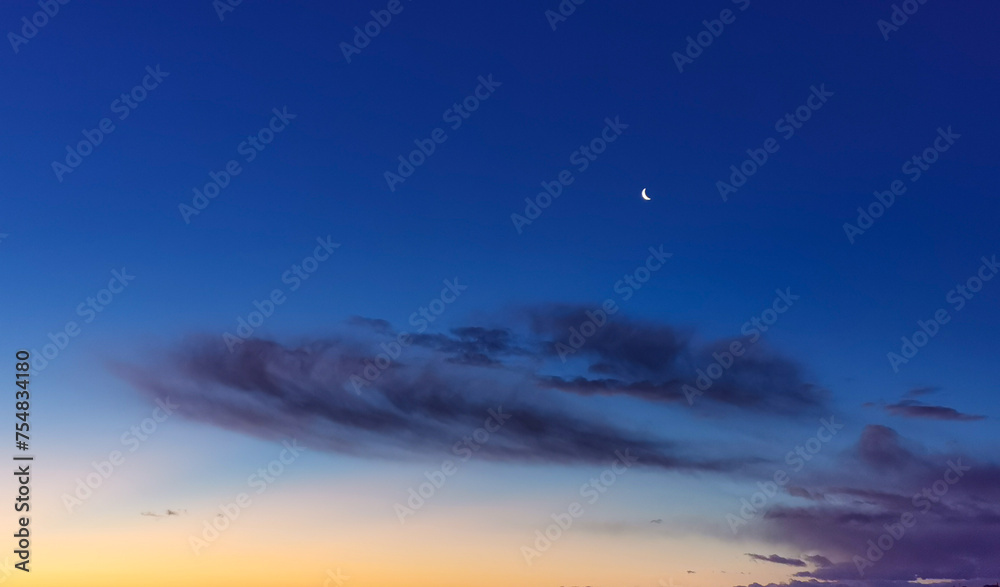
<point>644,196</point>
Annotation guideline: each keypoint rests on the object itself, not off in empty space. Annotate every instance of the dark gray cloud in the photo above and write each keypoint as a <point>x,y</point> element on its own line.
<point>780,560</point>
<point>647,390</point>
<point>473,345</point>
<point>165,514</point>
<point>908,407</point>
<point>423,392</point>
<point>653,362</point>
<point>423,405</point>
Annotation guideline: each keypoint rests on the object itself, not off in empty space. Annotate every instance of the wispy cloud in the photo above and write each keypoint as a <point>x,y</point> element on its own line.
<point>165,514</point>
<point>916,409</point>
<point>780,560</point>
<point>920,391</point>
<point>444,383</point>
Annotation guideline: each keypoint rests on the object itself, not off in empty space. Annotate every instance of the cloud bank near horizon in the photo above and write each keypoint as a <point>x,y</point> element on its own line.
<point>891,513</point>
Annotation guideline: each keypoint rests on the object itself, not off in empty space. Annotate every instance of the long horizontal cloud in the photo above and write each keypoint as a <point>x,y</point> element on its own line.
<point>425,392</point>
<point>774,558</point>
<point>920,391</point>
<point>426,405</point>
<point>916,409</point>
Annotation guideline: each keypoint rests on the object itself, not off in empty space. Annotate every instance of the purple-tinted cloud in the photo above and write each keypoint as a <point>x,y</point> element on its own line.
<point>920,391</point>
<point>916,409</point>
<point>653,362</point>
<point>881,446</point>
<point>818,560</point>
<point>950,501</point>
<point>422,404</point>
<point>435,388</point>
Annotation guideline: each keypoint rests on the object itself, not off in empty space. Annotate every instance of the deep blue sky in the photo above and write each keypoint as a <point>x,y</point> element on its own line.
<point>323,175</point>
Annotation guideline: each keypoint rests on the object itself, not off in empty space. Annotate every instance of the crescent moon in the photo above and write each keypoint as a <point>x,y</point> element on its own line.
<point>644,196</point>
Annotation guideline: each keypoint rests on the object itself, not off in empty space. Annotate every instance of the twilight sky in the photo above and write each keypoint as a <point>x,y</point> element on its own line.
<point>312,307</point>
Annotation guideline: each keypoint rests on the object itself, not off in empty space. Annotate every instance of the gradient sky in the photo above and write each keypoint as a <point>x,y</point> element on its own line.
<point>323,176</point>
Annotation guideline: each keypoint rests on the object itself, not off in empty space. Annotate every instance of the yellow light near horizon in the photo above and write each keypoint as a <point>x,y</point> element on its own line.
<point>302,535</point>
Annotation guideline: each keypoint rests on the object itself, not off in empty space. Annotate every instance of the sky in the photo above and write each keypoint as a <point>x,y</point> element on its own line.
<point>309,306</point>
